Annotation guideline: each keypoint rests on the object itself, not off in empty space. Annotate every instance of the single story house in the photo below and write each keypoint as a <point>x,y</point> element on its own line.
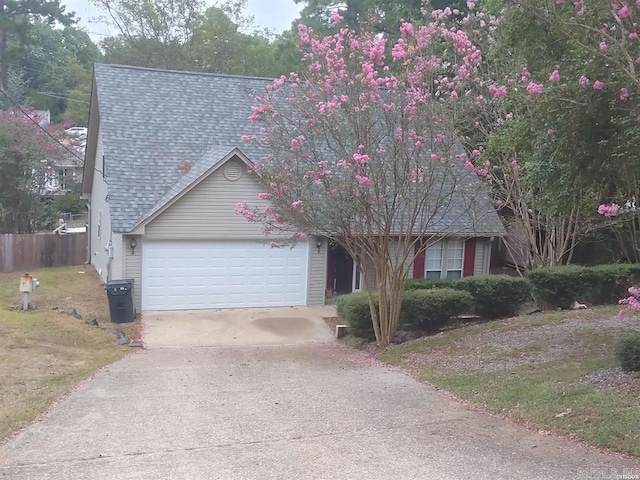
<point>164,170</point>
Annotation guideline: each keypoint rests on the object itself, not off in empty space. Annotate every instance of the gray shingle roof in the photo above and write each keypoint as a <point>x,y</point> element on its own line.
<point>152,120</point>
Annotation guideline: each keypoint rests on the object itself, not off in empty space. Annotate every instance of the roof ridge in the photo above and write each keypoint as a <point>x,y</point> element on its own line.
<point>180,72</point>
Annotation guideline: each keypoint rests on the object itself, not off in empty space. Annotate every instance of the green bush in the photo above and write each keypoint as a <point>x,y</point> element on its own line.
<point>354,309</point>
<point>494,296</point>
<point>428,310</point>
<point>428,283</point>
<point>628,352</point>
<point>603,284</point>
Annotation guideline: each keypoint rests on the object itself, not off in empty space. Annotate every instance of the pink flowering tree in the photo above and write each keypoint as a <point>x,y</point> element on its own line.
<point>27,155</point>
<point>603,40</point>
<point>364,150</point>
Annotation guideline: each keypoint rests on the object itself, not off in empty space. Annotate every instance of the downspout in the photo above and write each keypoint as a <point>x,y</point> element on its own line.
<point>88,232</point>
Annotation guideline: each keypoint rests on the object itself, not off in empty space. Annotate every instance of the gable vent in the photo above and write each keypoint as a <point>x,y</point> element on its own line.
<point>232,171</point>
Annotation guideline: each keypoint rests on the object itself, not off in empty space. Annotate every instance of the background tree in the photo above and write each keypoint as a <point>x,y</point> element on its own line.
<point>185,36</point>
<point>59,62</point>
<point>27,153</point>
<point>17,19</point>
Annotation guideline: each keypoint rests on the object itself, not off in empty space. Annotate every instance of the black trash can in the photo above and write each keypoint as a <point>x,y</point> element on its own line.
<point>120,294</point>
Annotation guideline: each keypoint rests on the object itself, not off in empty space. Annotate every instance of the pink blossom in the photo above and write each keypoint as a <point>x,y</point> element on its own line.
<point>360,158</point>
<point>609,210</point>
<point>406,29</point>
<point>550,131</point>
<point>336,18</point>
<point>499,203</point>
<point>633,36</point>
<point>514,164</point>
<point>555,76</point>
<point>297,204</point>
<point>584,81</point>
<point>603,46</point>
<point>434,156</point>
<point>476,153</point>
<point>597,85</point>
<point>624,12</point>
<point>559,2</point>
<point>263,196</point>
<point>624,94</point>
<point>498,92</point>
<point>399,50</point>
<point>534,88</point>
<point>364,181</point>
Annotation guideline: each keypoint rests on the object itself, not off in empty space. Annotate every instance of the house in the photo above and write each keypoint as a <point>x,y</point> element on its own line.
<point>164,171</point>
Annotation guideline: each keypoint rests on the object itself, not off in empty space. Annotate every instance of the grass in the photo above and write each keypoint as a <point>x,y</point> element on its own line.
<point>45,352</point>
<point>550,394</point>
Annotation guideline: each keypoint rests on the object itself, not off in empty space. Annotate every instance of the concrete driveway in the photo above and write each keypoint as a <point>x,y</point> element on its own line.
<point>304,409</point>
<point>235,327</point>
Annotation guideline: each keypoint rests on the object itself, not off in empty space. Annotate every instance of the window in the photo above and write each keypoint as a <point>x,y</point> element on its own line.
<point>455,255</point>
<point>433,260</point>
<point>444,259</point>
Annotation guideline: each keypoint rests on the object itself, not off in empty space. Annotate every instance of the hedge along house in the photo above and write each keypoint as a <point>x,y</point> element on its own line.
<point>165,168</point>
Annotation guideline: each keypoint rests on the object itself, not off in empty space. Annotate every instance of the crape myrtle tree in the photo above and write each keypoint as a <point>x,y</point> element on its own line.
<point>27,156</point>
<point>364,150</point>
<point>595,89</point>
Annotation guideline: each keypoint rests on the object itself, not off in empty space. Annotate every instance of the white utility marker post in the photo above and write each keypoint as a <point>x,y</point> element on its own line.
<point>27,284</point>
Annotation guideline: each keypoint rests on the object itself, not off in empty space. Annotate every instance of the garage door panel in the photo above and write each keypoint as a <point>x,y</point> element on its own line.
<point>199,275</point>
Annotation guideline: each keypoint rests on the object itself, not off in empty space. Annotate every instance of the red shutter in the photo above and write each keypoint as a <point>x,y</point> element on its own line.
<point>469,257</point>
<point>418,262</point>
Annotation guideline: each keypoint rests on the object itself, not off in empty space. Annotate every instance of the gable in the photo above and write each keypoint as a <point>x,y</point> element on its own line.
<point>208,210</point>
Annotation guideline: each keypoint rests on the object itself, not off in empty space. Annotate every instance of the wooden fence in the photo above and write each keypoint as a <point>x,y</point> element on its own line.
<point>38,250</point>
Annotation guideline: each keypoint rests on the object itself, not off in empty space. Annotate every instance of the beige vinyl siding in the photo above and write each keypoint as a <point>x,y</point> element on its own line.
<point>396,257</point>
<point>117,263</point>
<point>480,260</point>
<point>100,228</point>
<point>317,273</point>
<point>133,269</point>
<point>208,211</point>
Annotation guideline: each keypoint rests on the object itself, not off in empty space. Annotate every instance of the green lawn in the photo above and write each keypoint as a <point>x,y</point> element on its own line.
<point>553,372</point>
<point>45,352</point>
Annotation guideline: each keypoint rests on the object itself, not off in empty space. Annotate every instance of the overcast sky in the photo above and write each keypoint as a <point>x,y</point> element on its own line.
<point>274,14</point>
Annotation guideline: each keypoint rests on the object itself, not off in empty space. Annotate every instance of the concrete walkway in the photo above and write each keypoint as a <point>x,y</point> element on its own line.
<point>313,410</point>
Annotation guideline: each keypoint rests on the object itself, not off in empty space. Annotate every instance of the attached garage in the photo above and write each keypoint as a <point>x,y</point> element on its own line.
<point>191,275</point>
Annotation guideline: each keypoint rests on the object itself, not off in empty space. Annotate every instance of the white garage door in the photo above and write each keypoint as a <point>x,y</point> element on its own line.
<point>186,275</point>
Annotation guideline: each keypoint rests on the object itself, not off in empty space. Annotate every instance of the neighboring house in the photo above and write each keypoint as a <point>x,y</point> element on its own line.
<point>164,171</point>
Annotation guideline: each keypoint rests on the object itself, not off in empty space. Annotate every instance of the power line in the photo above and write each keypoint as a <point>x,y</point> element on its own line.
<point>36,123</point>
<point>60,96</point>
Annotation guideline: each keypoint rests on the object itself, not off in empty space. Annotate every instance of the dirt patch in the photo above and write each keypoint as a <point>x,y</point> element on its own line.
<point>615,379</point>
<point>515,343</point>
<point>285,327</point>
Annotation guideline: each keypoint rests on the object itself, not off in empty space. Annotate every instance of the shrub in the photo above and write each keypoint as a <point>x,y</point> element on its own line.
<point>354,309</point>
<point>628,352</point>
<point>558,286</point>
<point>428,310</point>
<point>561,286</point>
<point>428,283</point>
<point>496,296</point>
